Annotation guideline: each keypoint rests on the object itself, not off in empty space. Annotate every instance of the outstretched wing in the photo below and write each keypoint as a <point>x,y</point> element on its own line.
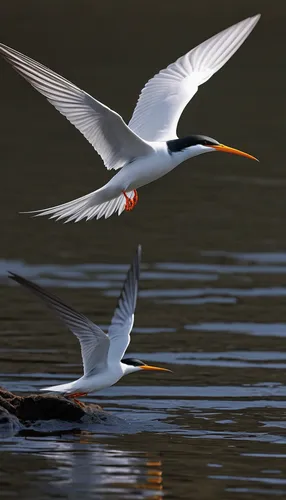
<point>93,341</point>
<point>103,128</point>
<point>123,318</point>
<point>165,96</point>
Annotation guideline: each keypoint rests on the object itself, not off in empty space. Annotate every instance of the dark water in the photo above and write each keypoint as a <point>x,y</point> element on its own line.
<point>213,289</point>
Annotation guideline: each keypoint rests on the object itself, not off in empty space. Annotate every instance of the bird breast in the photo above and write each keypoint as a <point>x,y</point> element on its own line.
<point>99,380</point>
<point>147,169</point>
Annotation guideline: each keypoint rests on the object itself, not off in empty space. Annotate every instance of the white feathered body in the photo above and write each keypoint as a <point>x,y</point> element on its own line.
<point>92,383</point>
<point>135,174</point>
<point>144,170</point>
<point>149,168</point>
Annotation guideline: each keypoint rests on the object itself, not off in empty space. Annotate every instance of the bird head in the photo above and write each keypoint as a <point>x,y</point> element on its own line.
<point>194,145</point>
<point>132,365</point>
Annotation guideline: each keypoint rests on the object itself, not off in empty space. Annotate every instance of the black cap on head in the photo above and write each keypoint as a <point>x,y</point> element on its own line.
<point>177,145</point>
<point>133,362</point>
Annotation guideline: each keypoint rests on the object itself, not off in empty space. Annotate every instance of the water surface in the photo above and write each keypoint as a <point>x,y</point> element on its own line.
<point>212,303</point>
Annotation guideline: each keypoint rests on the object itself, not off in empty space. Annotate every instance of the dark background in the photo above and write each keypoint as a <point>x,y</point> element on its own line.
<point>111,49</point>
<point>213,203</point>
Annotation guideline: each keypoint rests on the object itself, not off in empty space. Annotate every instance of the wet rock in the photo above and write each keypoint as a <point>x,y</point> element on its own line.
<point>9,424</point>
<point>46,407</point>
<point>8,400</point>
<point>17,411</point>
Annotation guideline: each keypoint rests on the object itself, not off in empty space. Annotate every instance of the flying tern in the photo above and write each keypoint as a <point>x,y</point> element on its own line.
<point>101,353</point>
<point>148,147</point>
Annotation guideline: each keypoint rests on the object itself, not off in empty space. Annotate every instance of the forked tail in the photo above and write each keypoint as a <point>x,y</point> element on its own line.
<point>87,207</point>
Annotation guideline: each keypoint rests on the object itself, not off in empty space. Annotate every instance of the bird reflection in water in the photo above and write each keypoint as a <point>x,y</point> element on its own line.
<point>86,465</point>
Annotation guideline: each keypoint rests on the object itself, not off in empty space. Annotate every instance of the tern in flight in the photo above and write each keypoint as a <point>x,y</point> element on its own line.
<point>148,147</point>
<point>101,353</point>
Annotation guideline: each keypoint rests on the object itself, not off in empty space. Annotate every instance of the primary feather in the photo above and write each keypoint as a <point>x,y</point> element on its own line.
<point>98,349</point>
<point>165,96</point>
<point>93,341</point>
<point>123,318</point>
<point>103,128</point>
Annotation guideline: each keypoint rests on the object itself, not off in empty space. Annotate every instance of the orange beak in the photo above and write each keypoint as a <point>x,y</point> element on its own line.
<point>227,149</point>
<point>154,368</point>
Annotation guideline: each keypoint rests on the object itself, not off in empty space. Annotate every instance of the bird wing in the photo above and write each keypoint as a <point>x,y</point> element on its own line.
<point>165,96</point>
<point>103,128</point>
<point>123,318</point>
<point>93,341</point>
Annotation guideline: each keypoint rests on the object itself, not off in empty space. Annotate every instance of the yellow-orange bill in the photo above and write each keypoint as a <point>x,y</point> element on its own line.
<point>227,149</point>
<point>154,368</point>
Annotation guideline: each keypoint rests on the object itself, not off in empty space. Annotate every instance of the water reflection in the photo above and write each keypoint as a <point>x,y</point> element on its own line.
<point>227,389</point>
<point>213,285</point>
<point>81,465</point>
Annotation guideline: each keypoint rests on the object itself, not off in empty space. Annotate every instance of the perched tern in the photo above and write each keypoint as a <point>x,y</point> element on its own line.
<point>148,147</point>
<point>101,353</point>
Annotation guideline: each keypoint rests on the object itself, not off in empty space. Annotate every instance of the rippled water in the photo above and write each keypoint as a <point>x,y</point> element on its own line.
<point>212,303</point>
<point>218,421</point>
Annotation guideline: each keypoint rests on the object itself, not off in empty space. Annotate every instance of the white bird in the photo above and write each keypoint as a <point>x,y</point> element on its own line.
<point>101,353</point>
<point>148,147</point>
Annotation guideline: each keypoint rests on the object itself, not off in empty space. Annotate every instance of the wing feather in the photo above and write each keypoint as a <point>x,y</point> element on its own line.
<point>93,341</point>
<point>123,318</point>
<point>166,95</point>
<point>104,129</point>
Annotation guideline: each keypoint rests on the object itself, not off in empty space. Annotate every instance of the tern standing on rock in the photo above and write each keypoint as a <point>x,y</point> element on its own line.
<point>101,353</point>
<point>148,147</point>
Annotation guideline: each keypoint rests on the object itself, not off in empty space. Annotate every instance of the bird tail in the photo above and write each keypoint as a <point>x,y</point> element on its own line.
<point>61,389</point>
<point>87,207</point>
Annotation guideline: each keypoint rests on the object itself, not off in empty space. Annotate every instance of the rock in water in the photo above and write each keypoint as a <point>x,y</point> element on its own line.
<point>9,424</point>
<point>16,411</point>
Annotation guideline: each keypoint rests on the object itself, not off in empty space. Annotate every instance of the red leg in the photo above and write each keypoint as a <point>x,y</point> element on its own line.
<point>130,202</point>
<point>135,198</point>
<point>77,395</point>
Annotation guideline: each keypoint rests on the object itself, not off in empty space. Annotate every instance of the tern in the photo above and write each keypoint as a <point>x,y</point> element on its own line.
<point>101,353</point>
<point>148,147</point>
